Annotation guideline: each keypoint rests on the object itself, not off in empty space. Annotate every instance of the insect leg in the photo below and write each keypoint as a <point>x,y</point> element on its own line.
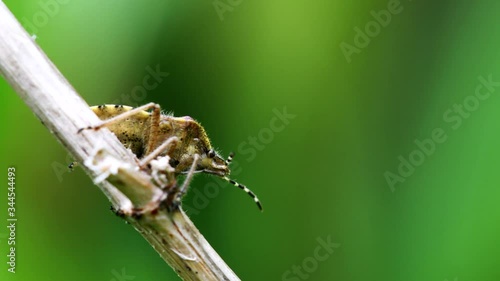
<point>177,196</point>
<point>153,130</point>
<point>159,150</point>
<point>189,176</point>
<point>122,116</point>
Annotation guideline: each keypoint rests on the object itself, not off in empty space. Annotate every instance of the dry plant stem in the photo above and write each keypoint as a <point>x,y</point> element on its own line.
<point>63,112</point>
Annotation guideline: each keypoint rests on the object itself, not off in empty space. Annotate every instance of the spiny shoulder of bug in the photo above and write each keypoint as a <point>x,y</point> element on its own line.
<point>192,140</point>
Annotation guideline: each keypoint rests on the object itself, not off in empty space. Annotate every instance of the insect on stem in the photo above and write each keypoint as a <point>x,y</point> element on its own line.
<point>151,134</point>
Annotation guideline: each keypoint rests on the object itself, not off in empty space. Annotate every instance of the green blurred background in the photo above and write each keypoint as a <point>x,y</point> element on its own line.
<point>232,65</point>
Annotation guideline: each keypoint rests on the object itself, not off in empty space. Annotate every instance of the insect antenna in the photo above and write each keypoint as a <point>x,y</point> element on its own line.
<point>72,165</point>
<point>229,158</point>
<point>248,191</point>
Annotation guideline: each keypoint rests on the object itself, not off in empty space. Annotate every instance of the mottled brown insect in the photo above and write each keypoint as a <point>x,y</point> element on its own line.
<point>152,134</point>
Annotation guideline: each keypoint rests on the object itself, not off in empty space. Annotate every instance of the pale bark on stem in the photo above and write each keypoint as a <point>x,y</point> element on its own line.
<point>50,96</point>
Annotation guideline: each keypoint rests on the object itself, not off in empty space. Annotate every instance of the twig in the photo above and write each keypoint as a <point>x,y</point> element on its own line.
<point>63,111</point>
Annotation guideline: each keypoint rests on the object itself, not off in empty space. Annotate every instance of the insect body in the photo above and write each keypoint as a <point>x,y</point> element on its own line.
<point>152,134</point>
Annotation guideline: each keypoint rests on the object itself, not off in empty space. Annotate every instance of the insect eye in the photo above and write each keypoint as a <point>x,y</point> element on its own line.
<point>211,153</point>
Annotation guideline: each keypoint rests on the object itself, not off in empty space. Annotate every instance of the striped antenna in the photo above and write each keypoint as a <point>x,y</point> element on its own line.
<point>72,166</point>
<point>248,191</point>
<point>229,158</point>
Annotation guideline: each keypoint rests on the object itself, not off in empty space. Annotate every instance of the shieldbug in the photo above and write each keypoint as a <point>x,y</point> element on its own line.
<point>149,134</point>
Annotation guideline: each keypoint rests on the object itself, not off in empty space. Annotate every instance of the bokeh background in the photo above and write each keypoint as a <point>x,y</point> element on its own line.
<point>232,65</point>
